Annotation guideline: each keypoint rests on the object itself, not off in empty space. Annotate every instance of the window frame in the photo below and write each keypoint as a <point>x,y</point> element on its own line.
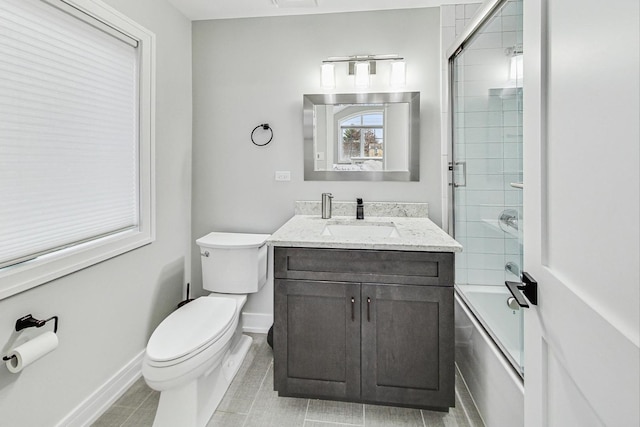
<point>29,274</point>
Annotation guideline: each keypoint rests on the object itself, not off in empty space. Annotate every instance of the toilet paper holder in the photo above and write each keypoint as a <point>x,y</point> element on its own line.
<point>29,321</point>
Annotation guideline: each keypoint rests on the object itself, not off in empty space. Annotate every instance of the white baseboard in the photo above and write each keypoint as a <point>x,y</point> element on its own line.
<point>97,403</point>
<point>257,323</point>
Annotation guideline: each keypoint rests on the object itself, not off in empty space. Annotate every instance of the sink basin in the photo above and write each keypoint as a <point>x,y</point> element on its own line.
<point>361,229</point>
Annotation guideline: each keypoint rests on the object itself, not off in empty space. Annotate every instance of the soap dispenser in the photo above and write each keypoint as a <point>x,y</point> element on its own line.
<point>326,205</point>
<point>359,209</point>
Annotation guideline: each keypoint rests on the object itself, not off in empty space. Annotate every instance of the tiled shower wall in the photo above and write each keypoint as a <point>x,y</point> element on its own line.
<point>453,19</point>
<point>488,136</point>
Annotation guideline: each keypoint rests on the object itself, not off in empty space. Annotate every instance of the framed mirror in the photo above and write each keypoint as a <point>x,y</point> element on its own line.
<point>362,137</point>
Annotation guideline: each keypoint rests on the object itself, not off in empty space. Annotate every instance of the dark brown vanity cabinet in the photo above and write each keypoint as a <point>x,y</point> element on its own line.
<point>364,325</point>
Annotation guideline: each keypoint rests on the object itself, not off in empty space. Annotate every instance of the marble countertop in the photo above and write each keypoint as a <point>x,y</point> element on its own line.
<point>415,234</point>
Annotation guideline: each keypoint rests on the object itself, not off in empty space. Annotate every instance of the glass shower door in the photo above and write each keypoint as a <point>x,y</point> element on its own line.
<point>486,93</point>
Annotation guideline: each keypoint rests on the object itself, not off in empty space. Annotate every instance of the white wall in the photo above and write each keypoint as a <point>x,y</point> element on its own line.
<point>108,311</point>
<point>397,153</point>
<point>323,136</point>
<point>252,71</point>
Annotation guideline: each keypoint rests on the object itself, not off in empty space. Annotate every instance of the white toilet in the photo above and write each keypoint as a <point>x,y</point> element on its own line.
<point>193,355</point>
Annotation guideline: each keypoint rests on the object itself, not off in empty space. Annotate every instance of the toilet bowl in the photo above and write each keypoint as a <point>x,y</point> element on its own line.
<point>193,355</point>
<point>176,356</point>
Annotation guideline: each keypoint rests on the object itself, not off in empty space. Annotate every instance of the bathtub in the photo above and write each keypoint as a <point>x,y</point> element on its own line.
<point>490,371</point>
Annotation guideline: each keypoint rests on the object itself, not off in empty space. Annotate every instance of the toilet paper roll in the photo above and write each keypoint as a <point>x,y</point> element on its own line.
<point>27,353</point>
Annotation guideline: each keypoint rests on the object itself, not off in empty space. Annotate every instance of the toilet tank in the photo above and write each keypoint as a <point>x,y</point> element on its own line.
<point>233,263</point>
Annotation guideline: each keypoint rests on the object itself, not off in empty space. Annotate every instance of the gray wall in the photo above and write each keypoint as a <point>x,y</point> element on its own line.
<point>252,71</point>
<point>108,311</point>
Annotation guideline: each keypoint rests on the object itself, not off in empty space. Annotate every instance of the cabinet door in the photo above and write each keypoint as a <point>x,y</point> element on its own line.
<point>408,345</point>
<point>317,339</point>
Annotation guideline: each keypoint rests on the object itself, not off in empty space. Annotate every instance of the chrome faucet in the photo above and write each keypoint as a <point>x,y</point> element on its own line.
<point>359,209</point>
<point>326,205</point>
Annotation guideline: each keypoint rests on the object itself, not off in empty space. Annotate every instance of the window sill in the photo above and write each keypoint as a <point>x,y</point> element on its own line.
<point>29,274</point>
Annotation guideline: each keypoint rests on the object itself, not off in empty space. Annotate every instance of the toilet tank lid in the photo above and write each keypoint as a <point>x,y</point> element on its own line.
<point>232,240</point>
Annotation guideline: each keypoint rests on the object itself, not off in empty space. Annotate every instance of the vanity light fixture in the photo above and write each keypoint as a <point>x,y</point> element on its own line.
<point>515,64</point>
<point>363,67</point>
<point>516,70</point>
<point>398,74</point>
<point>328,76</point>
<point>362,75</point>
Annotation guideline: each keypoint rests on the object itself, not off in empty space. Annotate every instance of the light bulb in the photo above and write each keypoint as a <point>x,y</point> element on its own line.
<point>516,70</point>
<point>362,74</point>
<point>398,74</point>
<point>328,76</point>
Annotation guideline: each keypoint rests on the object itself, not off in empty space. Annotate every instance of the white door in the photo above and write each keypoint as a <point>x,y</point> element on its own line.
<point>581,198</point>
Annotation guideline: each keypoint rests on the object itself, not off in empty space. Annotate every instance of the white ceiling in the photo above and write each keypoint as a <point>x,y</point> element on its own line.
<point>223,9</point>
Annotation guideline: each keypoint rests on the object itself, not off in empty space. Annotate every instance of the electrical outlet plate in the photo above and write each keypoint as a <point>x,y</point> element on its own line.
<point>283,176</point>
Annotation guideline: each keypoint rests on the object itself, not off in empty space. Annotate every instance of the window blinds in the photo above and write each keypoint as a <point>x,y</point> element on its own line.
<point>68,130</point>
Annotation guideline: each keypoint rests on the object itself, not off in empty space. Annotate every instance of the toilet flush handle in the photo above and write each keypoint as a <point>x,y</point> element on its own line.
<point>205,253</point>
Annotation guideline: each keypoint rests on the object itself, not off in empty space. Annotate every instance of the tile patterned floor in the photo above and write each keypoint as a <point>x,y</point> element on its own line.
<point>251,401</point>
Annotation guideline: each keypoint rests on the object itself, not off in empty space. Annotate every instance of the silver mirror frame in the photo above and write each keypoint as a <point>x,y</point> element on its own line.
<point>412,98</point>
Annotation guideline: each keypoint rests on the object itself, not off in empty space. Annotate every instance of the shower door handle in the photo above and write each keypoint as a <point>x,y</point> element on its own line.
<point>464,174</point>
<point>529,288</point>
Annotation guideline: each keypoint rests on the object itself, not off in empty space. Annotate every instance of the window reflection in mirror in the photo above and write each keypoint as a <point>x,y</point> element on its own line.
<point>362,136</point>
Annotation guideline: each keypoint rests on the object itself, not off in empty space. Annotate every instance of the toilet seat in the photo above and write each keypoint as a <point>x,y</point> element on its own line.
<point>190,330</point>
